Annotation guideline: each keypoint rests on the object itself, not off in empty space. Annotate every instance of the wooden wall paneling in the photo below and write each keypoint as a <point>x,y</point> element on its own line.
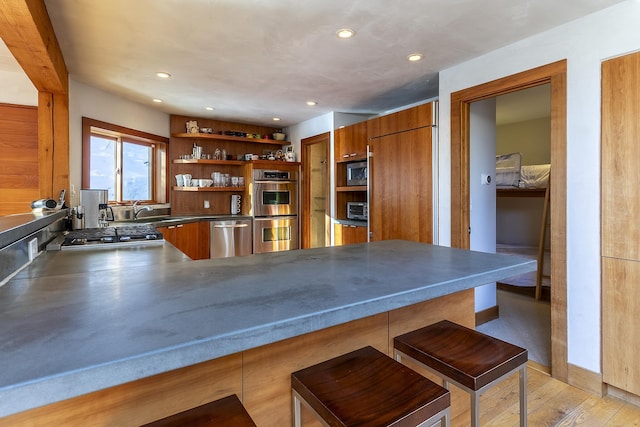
<point>620,337</point>
<point>141,401</point>
<point>620,152</point>
<point>53,144</point>
<point>555,74</point>
<point>19,181</point>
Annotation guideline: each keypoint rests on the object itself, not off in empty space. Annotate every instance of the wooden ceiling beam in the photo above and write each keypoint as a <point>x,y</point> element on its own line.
<point>27,31</point>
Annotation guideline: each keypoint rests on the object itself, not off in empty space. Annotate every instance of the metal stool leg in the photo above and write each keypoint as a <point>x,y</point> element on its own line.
<point>296,411</point>
<point>523,396</point>
<point>475,409</point>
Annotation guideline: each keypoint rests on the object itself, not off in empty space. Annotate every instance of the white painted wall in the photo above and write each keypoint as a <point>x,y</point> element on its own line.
<point>482,133</point>
<point>584,43</point>
<point>88,101</point>
<point>17,89</point>
<point>15,86</point>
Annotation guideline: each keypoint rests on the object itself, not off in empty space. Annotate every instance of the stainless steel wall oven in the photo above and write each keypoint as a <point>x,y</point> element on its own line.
<point>275,210</point>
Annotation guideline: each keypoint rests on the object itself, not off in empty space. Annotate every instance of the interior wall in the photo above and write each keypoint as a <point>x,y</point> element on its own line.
<point>482,131</point>
<point>88,101</point>
<point>531,138</point>
<point>584,43</point>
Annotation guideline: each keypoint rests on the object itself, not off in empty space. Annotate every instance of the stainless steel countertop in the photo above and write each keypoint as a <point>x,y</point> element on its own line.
<point>76,322</point>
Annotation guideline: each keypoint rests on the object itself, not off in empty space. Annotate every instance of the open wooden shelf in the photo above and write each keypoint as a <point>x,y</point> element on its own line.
<point>199,189</point>
<point>352,188</point>
<point>209,162</point>
<point>228,138</point>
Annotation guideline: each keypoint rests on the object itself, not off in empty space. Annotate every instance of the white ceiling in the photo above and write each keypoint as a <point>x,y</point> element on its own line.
<point>253,60</point>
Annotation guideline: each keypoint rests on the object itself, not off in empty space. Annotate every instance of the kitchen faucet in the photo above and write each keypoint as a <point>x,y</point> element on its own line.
<point>143,208</point>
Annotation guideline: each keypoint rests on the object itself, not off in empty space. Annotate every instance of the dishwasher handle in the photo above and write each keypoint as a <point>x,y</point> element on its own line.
<point>230,226</point>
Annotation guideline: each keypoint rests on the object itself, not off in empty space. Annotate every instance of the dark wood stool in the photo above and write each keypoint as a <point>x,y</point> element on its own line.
<point>227,412</point>
<point>368,388</point>
<point>469,359</point>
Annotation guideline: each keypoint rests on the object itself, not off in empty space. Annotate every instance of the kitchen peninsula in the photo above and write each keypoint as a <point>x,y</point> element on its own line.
<point>103,339</point>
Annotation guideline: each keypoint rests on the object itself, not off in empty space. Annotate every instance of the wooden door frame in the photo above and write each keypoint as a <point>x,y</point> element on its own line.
<point>556,75</point>
<point>305,228</point>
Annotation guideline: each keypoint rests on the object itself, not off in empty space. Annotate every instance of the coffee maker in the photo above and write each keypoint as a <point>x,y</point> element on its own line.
<point>95,204</point>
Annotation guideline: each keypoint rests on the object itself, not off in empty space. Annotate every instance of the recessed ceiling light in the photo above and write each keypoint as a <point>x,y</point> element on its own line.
<point>157,100</point>
<point>345,33</point>
<point>163,74</point>
<point>276,119</point>
<point>209,108</point>
<point>415,57</point>
<point>311,103</point>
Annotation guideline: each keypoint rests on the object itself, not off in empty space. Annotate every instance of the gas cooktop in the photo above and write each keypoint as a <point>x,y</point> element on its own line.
<point>111,237</point>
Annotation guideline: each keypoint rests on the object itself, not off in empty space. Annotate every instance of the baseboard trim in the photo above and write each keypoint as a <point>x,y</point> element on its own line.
<point>586,380</point>
<point>622,394</point>
<point>487,315</point>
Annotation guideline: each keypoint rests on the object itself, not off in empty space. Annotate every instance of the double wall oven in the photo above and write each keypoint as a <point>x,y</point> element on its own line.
<point>275,210</point>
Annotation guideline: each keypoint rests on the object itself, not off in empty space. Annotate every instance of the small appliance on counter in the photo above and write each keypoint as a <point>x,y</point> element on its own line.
<point>97,211</point>
<point>358,211</point>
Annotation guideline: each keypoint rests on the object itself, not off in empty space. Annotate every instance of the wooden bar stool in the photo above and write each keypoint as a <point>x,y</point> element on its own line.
<point>469,359</point>
<point>227,412</point>
<point>368,388</point>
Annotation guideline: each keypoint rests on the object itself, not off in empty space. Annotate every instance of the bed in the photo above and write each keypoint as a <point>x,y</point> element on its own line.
<point>513,179</point>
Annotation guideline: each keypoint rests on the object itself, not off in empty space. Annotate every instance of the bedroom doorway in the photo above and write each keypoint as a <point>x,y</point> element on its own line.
<point>555,75</point>
<point>523,157</point>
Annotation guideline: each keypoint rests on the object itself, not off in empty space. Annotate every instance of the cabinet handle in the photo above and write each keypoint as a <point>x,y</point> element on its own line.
<point>171,226</point>
<point>180,225</point>
<point>353,154</point>
<point>344,156</point>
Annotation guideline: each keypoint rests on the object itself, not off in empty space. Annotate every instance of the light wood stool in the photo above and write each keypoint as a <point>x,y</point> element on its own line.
<point>227,412</point>
<point>469,359</point>
<point>366,387</point>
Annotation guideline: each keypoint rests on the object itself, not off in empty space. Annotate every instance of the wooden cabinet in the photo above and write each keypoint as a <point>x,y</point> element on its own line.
<point>400,175</point>
<point>351,142</point>
<point>190,238</point>
<point>347,234</point>
<point>620,230</point>
<point>192,200</point>
<point>350,147</point>
<point>398,148</point>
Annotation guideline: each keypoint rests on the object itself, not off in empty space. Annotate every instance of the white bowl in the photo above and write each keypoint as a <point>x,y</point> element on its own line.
<point>206,182</point>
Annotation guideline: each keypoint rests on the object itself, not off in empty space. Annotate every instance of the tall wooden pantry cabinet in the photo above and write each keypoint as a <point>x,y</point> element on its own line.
<point>620,217</point>
<point>399,150</point>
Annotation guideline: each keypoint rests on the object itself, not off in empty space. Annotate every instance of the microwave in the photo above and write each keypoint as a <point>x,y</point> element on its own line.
<point>357,173</point>
<point>358,211</point>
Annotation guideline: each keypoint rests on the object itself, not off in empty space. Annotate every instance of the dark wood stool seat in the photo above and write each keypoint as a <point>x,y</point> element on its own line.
<point>368,388</point>
<point>467,358</point>
<point>227,412</point>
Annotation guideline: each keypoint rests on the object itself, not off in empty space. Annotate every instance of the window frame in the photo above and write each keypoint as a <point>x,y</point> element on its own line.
<point>158,144</point>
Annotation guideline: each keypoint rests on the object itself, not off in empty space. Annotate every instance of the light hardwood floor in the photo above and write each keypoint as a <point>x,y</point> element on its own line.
<point>549,403</point>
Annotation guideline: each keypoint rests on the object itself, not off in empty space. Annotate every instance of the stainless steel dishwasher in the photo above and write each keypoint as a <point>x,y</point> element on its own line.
<point>231,238</point>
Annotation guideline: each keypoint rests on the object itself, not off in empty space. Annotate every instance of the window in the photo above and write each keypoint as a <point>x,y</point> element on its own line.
<point>128,163</point>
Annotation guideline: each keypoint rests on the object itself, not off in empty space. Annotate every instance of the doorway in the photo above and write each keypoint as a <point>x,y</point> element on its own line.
<point>315,184</point>
<point>555,75</point>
